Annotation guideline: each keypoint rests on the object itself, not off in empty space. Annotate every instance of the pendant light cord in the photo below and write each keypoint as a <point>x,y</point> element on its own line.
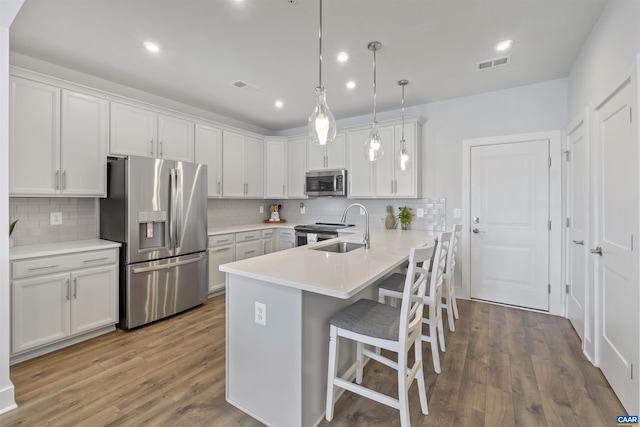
<point>320,48</point>
<point>403,141</point>
<point>374,85</point>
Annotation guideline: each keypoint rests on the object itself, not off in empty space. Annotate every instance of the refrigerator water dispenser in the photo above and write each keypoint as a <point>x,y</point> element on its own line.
<point>152,226</point>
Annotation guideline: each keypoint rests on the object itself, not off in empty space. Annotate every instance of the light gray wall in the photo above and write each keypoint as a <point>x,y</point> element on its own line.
<point>607,56</point>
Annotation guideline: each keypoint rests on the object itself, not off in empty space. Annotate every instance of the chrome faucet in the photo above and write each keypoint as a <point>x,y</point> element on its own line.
<point>366,212</point>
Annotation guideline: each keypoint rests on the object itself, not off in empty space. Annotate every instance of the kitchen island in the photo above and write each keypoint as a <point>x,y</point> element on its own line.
<point>277,309</point>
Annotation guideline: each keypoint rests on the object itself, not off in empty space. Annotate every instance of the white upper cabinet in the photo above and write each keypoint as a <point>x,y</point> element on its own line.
<point>208,151</point>
<point>391,181</point>
<point>53,153</point>
<point>139,132</point>
<point>359,170</point>
<point>275,168</point>
<point>383,178</point>
<point>243,166</point>
<point>330,156</point>
<point>296,168</point>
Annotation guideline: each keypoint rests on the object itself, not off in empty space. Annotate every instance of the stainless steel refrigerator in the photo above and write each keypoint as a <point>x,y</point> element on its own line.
<point>157,209</point>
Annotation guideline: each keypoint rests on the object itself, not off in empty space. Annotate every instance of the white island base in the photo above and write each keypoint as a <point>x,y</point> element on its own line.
<point>277,373</point>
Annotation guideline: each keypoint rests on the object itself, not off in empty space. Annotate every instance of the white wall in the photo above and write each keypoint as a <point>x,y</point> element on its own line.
<point>605,61</point>
<point>8,11</point>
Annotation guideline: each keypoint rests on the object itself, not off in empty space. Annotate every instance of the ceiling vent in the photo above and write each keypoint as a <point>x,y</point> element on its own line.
<point>493,63</point>
<point>244,86</point>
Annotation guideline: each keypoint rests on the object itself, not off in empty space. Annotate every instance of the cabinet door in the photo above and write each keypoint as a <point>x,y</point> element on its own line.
<point>133,131</point>
<point>385,166</point>
<point>249,249</point>
<point>83,139</point>
<point>360,175</point>
<point>233,184</point>
<point>317,156</point>
<point>40,311</point>
<point>217,256</point>
<point>175,138</point>
<point>34,138</point>
<point>208,151</point>
<point>336,153</point>
<point>275,169</point>
<point>407,181</point>
<point>286,239</point>
<point>296,168</point>
<point>254,167</point>
<point>94,298</point>
<point>268,246</point>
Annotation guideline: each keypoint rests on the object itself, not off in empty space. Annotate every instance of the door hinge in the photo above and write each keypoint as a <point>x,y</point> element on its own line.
<point>568,223</point>
<point>632,242</point>
<point>549,288</point>
<point>630,115</point>
<point>568,153</point>
<point>632,371</point>
<point>549,161</point>
<point>566,288</point>
<point>549,225</point>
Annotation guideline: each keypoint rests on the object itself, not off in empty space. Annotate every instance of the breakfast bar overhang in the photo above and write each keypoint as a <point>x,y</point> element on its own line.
<point>276,371</point>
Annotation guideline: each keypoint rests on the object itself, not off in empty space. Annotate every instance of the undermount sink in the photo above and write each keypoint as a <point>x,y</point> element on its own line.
<point>339,247</point>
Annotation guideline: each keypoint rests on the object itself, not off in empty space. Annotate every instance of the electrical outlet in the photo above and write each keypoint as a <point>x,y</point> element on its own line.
<point>261,314</point>
<point>261,209</point>
<point>55,218</point>
<point>362,211</point>
<point>420,213</point>
<point>457,213</point>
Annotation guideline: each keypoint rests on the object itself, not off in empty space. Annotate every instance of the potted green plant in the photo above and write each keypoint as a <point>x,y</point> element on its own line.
<point>405,216</point>
<point>12,225</point>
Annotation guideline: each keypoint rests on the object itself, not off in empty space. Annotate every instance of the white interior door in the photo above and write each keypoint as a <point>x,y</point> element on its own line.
<point>616,230</point>
<point>509,214</point>
<point>577,233</point>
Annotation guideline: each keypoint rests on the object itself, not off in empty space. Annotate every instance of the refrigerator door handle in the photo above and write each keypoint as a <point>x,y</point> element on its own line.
<point>178,206</point>
<point>172,208</point>
<point>168,265</point>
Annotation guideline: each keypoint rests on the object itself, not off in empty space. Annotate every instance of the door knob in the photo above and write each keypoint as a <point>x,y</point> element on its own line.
<point>597,250</point>
<point>579,242</point>
<point>475,230</point>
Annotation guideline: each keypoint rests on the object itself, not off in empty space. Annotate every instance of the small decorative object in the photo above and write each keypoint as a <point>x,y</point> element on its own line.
<point>390,220</point>
<point>12,225</point>
<point>405,216</point>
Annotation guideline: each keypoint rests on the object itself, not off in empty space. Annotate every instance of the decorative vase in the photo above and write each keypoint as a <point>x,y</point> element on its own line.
<point>11,242</point>
<point>405,226</point>
<point>390,219</point>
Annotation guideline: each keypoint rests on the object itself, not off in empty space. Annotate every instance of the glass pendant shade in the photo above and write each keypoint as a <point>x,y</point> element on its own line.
<point>322,124</point>
<point>373,149</point>
<point>403,160</point>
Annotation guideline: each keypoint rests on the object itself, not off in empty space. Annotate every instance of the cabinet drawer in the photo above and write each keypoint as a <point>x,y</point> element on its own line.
<point>247,236</point>
<point>286,233</point>
<point>268,233</point>
<point>246,250</point>
<point>222,239</point>
<point>57,263</point>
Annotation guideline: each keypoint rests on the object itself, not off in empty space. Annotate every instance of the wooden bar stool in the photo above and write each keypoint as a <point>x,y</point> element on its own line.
<point>382,326</point>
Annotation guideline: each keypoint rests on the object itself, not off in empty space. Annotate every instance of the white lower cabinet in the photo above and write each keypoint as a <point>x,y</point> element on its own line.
<point>221,251</point>
<point>61,297</point>
<point>286,239</point>
<point>248,245</point>
<point>268,241</point>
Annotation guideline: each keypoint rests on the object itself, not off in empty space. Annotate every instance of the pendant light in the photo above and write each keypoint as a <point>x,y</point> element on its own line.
<point>403,160</point>
<point>322,125</point>
<point>373,147</point>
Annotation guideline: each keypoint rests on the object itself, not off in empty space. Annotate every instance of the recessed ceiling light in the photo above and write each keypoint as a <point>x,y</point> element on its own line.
<point>343,56</point>
<point>351,84</point>
<point>152,47</point>
<point>279,103</point>
<point>504,45</point>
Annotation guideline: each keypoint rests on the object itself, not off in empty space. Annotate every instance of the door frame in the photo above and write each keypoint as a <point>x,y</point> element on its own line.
<point>556,208</point>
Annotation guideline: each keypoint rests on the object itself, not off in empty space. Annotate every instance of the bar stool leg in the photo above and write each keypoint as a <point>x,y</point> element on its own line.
<point>332,370</point>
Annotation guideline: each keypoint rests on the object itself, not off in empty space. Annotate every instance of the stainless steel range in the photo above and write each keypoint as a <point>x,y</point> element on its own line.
<point>317,232</point>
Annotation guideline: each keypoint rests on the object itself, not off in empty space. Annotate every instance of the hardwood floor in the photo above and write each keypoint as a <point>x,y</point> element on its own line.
<point>502,367</point>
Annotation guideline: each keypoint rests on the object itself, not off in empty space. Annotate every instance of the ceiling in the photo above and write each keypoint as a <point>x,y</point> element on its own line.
<point>273,46</point>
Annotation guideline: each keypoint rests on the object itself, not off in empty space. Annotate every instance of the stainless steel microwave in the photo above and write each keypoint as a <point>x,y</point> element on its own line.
<point>326,183</point>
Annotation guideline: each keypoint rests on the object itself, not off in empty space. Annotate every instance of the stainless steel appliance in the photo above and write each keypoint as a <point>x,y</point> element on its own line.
<point>326,183</point>
<point>157,209</point>
<point>320,230</point>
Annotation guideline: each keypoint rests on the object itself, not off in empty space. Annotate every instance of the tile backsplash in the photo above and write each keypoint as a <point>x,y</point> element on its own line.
<point>79,219</point>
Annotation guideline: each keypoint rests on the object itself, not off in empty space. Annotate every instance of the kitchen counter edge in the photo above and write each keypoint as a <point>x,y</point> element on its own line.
<point>59,248</point>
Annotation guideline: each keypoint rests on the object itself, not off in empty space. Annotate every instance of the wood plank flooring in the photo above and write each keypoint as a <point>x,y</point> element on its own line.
<point>502,367</point>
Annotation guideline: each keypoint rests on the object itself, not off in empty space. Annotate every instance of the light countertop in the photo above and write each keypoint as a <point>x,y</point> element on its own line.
<point>213,231</point>
<point>339,275</point>
<point>47,249</point>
